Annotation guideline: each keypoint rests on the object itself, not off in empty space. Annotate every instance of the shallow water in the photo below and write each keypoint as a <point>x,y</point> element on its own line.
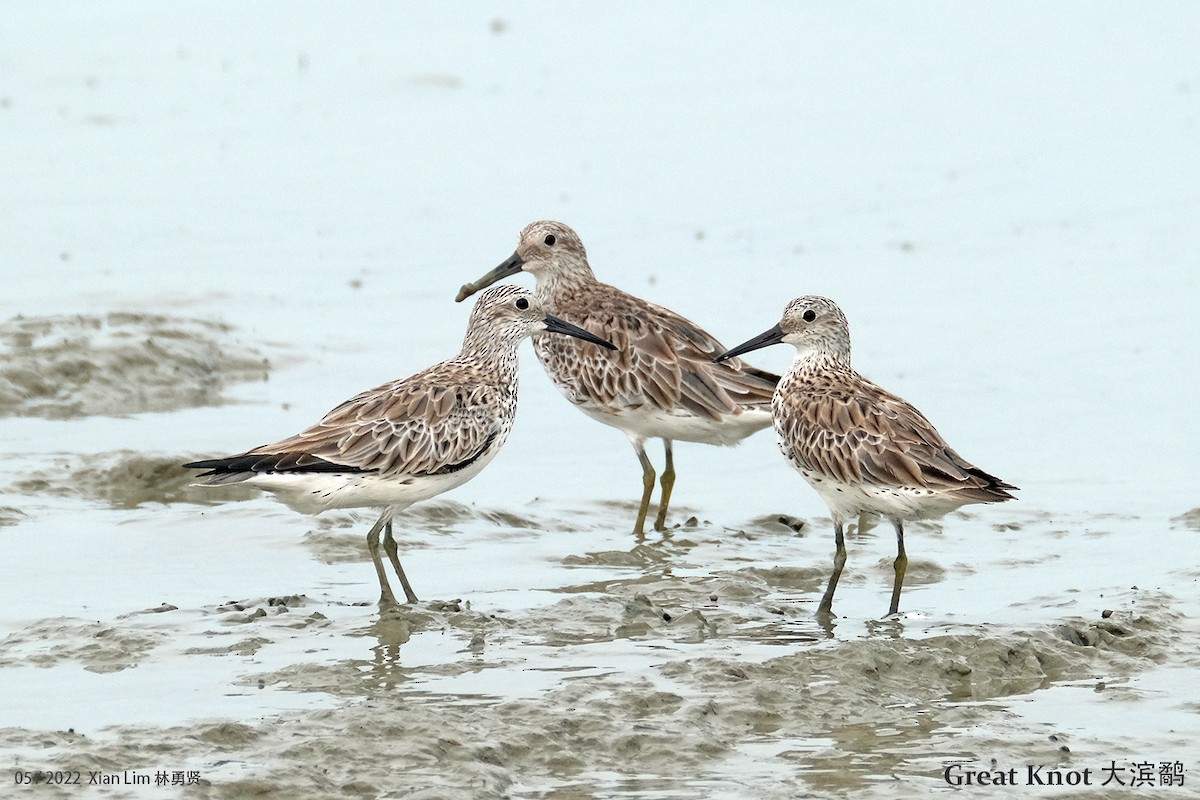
<point>280,211</point>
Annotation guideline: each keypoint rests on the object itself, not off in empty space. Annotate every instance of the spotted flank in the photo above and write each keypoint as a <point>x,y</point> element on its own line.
<point>661,380</point>
<point>410,439</point>
<point>863,449</point>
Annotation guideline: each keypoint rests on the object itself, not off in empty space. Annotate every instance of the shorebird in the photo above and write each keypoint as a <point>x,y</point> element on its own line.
<point>410,439</point>
<point>661,381</point>
<point>862,448</point>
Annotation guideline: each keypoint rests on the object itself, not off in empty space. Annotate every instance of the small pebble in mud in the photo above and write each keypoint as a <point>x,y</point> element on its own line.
<point>1101,686</point>
<point>1106,613</point>
<point>666,617</point>
<point>692,522</point>
<point>712,597</point>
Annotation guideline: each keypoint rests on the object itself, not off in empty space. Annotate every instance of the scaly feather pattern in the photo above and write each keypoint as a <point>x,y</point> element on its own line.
<point>831,421</point>
<point>437,421</point>
<point>662,361</point>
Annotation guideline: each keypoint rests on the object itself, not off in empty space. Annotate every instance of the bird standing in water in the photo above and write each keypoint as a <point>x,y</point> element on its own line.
<point>410,439</point>
<point>660,382</point>
<point>863,449</point>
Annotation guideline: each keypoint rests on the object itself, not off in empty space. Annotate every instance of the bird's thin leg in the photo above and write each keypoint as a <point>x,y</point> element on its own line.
<point>386,598</point>
<point>647,485</point>
<point>389,547</point>
<point>668,483</point>
<point>839,561</point>
<point>901,564</point>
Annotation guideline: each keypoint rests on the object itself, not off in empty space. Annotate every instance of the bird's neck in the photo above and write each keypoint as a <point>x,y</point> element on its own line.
<point>554,285</point>
<point>495,352</point>
<point>811,360</point>
<point>810,375</point>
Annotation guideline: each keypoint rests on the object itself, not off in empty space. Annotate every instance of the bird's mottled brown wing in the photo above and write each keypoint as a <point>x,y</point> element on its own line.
<point>434,422</point>
<point>866,434</point>
<point>662,359</point>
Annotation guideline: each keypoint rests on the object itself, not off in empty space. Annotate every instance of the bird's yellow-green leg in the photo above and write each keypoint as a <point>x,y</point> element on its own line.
<point>839,561</point>
<point>647,486</point>
<point>386,598</point>
<point>668,483</point>
<point>389,547</point>
<point>901,565</point>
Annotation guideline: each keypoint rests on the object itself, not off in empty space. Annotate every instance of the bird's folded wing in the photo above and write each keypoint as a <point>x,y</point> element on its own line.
<point>411,427</point>
<point>663,360</point>
<point>876,437</point>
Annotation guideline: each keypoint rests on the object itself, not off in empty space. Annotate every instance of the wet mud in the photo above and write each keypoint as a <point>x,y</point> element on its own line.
<point>124,480</point>
<point>118,363</point>
<point>628,693</point>
<point>676,665</point>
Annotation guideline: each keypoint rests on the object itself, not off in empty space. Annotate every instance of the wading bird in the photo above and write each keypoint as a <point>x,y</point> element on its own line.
<point>660,383</point>
<point>410,439</point>
<point>862,448</point>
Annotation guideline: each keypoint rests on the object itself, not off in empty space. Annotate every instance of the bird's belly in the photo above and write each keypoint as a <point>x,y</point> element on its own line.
<point>649,423</point>
<point>312,493</point>
<point>848,500</point>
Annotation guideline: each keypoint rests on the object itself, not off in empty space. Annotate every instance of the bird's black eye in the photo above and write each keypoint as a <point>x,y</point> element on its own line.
<point>550,240</point>
<point>522,303</point>
<point>810,315</point>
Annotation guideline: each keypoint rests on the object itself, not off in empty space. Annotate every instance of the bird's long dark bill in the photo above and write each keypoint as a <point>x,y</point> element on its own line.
<point>510,266</point>
<point>773,336</point>
<point>556,325</point>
